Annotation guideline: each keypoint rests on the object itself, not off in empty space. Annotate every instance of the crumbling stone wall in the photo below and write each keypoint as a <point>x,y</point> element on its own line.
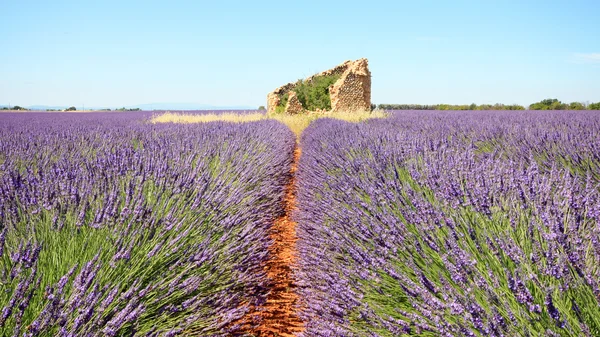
<point>352,92</point>
<point>293,105</point>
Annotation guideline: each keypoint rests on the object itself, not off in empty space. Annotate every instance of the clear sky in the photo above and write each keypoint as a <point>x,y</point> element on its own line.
<point>120,53</point>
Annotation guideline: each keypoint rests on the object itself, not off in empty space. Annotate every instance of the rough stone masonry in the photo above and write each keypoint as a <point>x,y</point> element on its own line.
<point>352,92</point>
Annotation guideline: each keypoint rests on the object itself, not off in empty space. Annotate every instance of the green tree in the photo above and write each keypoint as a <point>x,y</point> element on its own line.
<point>576,106</point>
<point>594,106</point>
<point>548,104</point>
<point>72,108</point>
<point>558,106</point>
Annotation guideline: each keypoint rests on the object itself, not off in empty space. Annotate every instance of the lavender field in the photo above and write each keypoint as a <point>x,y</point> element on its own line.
<point>112,226</point>
<point>451,224</point>
<point>424,223</point>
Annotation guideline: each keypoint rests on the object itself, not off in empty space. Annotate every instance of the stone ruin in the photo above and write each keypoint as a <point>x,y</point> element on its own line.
<point>351,92</point>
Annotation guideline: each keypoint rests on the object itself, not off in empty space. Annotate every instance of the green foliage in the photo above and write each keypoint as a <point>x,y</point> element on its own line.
<point>549,101</point>
<point>576,106</point>
<point>283,99</point>
<point>262,108</point>
<point>314,95</point>
<point>16,107</point>
<point>594,106</point>
<point>549,104</point>
<point>71,109</point>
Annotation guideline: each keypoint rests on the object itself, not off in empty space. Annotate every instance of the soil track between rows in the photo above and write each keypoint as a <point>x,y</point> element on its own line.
<point>278,316</point>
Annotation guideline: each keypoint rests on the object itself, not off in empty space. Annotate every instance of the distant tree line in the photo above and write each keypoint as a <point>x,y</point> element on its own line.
<point>16,107</point>
<point>71,108</point>
<point>546,104</point>
<point>125,109</point>
<point>473,106</point>
<point>555,104</point>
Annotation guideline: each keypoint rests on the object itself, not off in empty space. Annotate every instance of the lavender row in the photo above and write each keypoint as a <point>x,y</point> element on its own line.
<point>460,224</point>
<point>112,226</point>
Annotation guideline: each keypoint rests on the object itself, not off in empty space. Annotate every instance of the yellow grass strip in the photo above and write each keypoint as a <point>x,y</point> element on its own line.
<point>169,117</point>
<point>297,123</point>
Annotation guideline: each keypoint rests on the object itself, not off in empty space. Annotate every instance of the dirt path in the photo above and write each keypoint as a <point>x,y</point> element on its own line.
<point>278,316</point>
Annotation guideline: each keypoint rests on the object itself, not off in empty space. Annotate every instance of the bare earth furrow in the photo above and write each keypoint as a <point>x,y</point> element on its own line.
<point>278,316</point>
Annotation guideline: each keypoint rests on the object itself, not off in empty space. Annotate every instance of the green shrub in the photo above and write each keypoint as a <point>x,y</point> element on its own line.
<point>283,99</point>
<point>314,95</point>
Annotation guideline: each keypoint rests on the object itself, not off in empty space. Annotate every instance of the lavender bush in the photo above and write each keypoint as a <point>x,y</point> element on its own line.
<point>115,227</point>
<point>451,224</point>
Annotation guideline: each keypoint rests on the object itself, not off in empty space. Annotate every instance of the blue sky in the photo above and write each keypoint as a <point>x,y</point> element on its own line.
<point>120,53</point>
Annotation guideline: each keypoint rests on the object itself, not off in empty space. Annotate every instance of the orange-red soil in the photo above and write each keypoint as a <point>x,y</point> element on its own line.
<point>278,316</point>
